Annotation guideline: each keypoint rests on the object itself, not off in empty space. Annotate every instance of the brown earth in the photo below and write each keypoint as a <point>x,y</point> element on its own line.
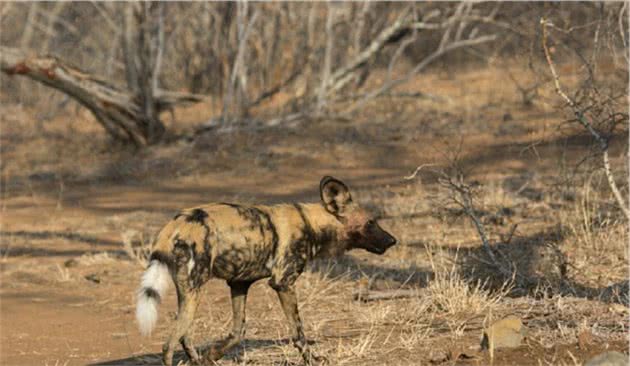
<point>68,200</point>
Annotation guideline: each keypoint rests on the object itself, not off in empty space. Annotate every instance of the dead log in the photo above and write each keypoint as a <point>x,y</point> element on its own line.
<point>118,111</point>
<point>376,295</point>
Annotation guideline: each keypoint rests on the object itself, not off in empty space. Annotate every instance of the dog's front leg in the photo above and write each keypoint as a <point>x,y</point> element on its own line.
<point>288,300</point>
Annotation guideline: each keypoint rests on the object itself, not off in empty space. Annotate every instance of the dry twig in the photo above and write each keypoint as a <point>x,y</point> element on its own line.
<point>376,295</point>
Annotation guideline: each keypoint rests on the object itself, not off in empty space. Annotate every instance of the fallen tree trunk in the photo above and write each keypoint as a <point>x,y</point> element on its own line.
<point>119,111</point>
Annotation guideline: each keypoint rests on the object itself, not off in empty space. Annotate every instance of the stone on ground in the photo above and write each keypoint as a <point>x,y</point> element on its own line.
<point>611,358</point>
<point>505,333</point>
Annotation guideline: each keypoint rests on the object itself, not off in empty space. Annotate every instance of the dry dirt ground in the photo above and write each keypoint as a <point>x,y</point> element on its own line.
<point>70,200</point>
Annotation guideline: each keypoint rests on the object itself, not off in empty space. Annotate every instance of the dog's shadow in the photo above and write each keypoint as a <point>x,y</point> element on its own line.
<point>155,359</point>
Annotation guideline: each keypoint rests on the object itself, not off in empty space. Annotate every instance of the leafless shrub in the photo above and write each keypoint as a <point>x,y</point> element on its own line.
<point>462,195</point>
<point>598,104</point>
<point>502,258</point>
<point>242,54</point>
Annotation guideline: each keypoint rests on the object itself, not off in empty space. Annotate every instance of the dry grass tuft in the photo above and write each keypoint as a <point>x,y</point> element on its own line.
<point>137,247</point>
<point>57,363</point>
<point>453,295</point>
<point>596,237</point>
<point>96,258</point>
<point>590,217</point>
<point>63,274</point>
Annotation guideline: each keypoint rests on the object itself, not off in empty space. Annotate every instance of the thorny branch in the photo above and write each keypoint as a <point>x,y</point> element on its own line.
<point>462,195</point>
<point>582,119</point>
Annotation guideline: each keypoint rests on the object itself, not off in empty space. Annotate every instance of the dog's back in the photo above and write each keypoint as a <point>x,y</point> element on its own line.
<point>228,241</point>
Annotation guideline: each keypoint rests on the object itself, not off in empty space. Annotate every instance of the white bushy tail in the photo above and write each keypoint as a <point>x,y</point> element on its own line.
<point>155,282</point>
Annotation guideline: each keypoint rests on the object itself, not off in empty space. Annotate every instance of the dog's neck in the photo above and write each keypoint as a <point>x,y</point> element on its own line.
<point>324,229</point>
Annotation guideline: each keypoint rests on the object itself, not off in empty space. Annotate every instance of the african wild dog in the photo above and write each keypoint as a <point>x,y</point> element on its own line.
<point>242,244</point>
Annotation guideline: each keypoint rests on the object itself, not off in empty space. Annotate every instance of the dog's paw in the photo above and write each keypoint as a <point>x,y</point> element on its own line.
<point>213,354</point>
<point>311,359</point>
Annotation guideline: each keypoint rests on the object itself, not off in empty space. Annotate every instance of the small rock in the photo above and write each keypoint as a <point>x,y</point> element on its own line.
<point>618,293</point>
<point>71,263</point>
<point>119,335</point>
<point>618,308</point>
<point>438,356</point>
<point>457,353</point>
<point>505,333</point>
<point>93,277</point>
<point>611,358</point>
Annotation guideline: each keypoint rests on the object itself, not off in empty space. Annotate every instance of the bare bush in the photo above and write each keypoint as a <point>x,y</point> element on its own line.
<point>296,56</point>
<point>598,105</point>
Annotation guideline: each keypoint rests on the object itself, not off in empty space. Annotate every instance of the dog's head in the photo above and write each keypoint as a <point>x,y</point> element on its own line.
<point>360,229</point>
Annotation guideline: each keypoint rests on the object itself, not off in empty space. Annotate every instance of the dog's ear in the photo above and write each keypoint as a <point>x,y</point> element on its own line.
<point>335,195</point>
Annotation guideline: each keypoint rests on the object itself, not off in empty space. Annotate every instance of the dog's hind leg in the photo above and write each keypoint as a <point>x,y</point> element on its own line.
<point>238,291</point>
<point>185,341</point>
<point>188,300</point>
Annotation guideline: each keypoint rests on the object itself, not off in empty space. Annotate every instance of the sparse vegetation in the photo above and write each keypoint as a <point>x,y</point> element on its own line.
<point>282,97</point>
<point>137,247</point>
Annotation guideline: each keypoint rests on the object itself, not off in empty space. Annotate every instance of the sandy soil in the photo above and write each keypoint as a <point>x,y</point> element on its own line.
<point>67,284</point>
